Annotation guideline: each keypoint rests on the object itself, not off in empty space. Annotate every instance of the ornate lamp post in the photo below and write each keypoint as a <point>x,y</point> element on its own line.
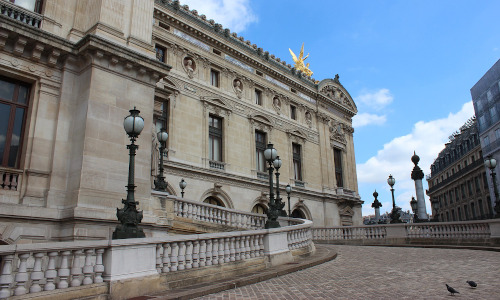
<point>279,204</point>
<point>491,163</point>
<point>377,205</point>
<point>414,208</point>
<point>288,190</point>
<point>395,218</point>
<point>160,183</point>
<point>270,155</point>
<point>128,216</point>
<point>182,185</point>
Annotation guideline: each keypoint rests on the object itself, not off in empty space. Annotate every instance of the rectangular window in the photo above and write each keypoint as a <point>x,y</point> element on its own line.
<point>486,140</point>
<point>476,181</point>
<point>215,138</point>
<point>33,5</point>
<point>214,78</point>
<point>462,187</point>
<point>497,133</point>
<point>485,181</point>
<point>14,98</point>
<point>459,214</point>
<point>160,53</point>
<point>297,162</point>
<point>293,112</point>
<point>160,114</point>
<point>456,195</point>
<point>337,158</point>
<point>473,210</point>
<point>258,97</point>
<point>469,187</point>
<point>260,146</point>
<point>481,209</point>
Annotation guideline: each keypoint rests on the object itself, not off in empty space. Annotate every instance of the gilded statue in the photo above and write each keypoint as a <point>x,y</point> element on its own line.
<point>299,62</point>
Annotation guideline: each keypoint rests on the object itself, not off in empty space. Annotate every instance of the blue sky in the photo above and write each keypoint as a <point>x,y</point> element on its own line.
<point>409,65</point>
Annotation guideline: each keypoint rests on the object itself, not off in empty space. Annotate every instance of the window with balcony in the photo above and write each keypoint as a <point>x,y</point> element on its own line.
<point>260,147</point>
<point>33,5</point>
<point>160,53</point>
<point>293,112</point>
<point>258,97</point>
<point>337,157</point>
<point>297,162</point>
<point>215,139</point>
<point>14,98</point>
<point>214,78</point>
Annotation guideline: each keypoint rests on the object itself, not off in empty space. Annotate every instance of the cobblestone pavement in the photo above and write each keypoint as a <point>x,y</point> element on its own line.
<point>384,273</point>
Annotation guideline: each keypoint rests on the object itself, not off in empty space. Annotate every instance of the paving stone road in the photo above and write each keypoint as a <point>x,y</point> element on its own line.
<point>384,273</point>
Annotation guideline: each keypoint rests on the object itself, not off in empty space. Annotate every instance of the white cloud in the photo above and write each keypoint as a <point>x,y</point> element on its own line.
<point>364,119</point>
<point>233,14</point>
<point>427,139</point>
<point>376,100</point>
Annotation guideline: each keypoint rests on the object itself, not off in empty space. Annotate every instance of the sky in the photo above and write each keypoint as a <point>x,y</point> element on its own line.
<point>409,66</point>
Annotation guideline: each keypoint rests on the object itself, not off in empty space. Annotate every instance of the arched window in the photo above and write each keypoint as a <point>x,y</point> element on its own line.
<point>299,214</point>
<point>259,209</point>
<point>214,201</point>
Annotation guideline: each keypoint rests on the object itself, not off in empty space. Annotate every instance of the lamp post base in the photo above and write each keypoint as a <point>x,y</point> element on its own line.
<point>127,232</point>
<point>395,218</point>
<point>272,224</point>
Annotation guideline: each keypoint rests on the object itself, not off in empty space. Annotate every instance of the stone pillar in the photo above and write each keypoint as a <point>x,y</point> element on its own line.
<point>377,205</point>
<point>417,175</point>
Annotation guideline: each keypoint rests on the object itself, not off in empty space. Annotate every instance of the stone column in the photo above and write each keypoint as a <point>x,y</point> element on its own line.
<point>377,205</point>
<point>417,175</point>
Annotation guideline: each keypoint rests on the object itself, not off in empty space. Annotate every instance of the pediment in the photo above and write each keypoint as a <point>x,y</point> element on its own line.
<point>347,211</point>
<point>333,90</point>
<point>261,119</point>
<point>217,102</point>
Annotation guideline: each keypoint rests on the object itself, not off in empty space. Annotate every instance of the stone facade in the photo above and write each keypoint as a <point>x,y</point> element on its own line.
<point>458,181</point>
<point>84,64</point>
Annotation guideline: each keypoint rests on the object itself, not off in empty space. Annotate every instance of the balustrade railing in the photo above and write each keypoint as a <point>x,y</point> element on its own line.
<point>9,179</point>
<point>20,14</point>
<point>218,215</point>
<point>468,230</point>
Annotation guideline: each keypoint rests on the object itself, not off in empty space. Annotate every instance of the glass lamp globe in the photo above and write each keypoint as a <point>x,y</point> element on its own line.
<point>133,123</point>
<point>162,135</point>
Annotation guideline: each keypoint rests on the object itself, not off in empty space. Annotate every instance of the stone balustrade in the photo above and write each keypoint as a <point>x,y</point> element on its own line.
<point>43,267</point>
<point>9,179</point>
<point>217,214</point>
<point>486,232</point>
<point>20,14</point>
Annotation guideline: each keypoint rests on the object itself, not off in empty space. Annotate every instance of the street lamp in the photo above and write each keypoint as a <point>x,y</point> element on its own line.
<point>270,154</point>
<point>160,184</point>
<point>279,204</point>
<point>414,208</point>
<point>182,185</point>
<point>128,216</point>
<point>395,218</point>
<point>288,190</point>
<point>491,163</point>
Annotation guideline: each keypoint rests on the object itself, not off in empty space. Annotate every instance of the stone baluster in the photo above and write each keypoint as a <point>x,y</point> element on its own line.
<point>63,271</point>
<point>261,243</point>
<point>249,222</point>
<point>231,249</point>
<point>174,257</point>
<point>215,252</point>
<point>6,275</point>
<point>6,182</point>
<point>37,274</point>
<point>189,211</point>
<point>247,247</point>
<point>221,251</point>
<point>252,246</point>
<point>51,273</point>
<point>76,269</point>
<point>237,248</point>
<point>189,255</point>
<point>195,211</point>
<point>203,252</point>
<point>256,245</point>
<point>1,179</point>
<point>209,253</point>
<point>99,266</point>
<point>22,275</point>
<point>181,259</point>
<point>13,182</point>
<point>176,208</point>
<point>219,216</point>
<point>88,269</point>
<point>227,217</point>
<point>166,258</point>
<point>184,210</point>
<point>203,211</point>
<point>196,254</point>
<point>159,261</point>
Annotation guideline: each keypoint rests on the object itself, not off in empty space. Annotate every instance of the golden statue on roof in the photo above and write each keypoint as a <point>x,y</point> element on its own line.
<point>299,62</point>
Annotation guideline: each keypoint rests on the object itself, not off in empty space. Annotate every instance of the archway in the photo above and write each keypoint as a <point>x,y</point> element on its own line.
<point>298,213</point>
<point>259,209</point>
<point>214,201</point>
